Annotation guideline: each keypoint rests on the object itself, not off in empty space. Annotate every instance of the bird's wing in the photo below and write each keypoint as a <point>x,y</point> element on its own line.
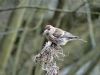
<point>58,33</point>
<point>52,38</point>
<point>69,35</point>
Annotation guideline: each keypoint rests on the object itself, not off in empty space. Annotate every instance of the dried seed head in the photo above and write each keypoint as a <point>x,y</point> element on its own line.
<point>47,57</point>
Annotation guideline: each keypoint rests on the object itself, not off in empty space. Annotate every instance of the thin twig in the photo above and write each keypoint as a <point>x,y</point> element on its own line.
<point>44,8</point>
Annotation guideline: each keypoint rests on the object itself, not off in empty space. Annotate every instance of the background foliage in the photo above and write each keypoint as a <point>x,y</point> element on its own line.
<point>21,26</point>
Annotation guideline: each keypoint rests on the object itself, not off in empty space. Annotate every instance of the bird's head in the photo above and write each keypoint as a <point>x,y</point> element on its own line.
<point>49,29</point>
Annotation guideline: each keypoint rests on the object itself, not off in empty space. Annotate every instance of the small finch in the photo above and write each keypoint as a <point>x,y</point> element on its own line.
<point>58,36</point>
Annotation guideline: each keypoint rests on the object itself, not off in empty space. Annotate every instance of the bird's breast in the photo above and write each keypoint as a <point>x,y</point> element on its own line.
<point>63,41</point>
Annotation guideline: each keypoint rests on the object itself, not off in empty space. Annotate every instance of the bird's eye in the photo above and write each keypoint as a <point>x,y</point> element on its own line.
<point>48,28</point>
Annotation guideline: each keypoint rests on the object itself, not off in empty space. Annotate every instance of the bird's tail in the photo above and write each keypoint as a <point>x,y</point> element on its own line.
<point>76,38</point>
<point>82,40</point>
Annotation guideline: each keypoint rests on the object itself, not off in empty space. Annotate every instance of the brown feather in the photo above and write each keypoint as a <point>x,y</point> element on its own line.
<point>58,33</point>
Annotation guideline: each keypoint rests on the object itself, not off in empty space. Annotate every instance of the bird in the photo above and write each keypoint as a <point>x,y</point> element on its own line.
<point>59,36</point>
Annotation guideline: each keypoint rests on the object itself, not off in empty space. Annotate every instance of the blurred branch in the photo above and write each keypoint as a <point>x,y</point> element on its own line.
<point>61,14</point>
<point>18,53</point>
<point>83,60</point>
<point>92,64</point>
<point>1,1</point>
<point>83,3</point>
<point>17,30</point>
<point>8,41</point>
<point>44,8</point>
<point>22,39</point>
<point>91,29</point>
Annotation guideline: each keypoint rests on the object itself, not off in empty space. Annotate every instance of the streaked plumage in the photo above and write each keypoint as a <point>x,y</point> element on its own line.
<point>58,36</point>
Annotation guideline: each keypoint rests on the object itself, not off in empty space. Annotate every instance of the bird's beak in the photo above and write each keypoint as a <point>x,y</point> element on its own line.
<point>45,32</point>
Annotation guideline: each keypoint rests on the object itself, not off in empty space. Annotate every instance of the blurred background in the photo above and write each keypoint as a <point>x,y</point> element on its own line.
<point>21,27</point>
